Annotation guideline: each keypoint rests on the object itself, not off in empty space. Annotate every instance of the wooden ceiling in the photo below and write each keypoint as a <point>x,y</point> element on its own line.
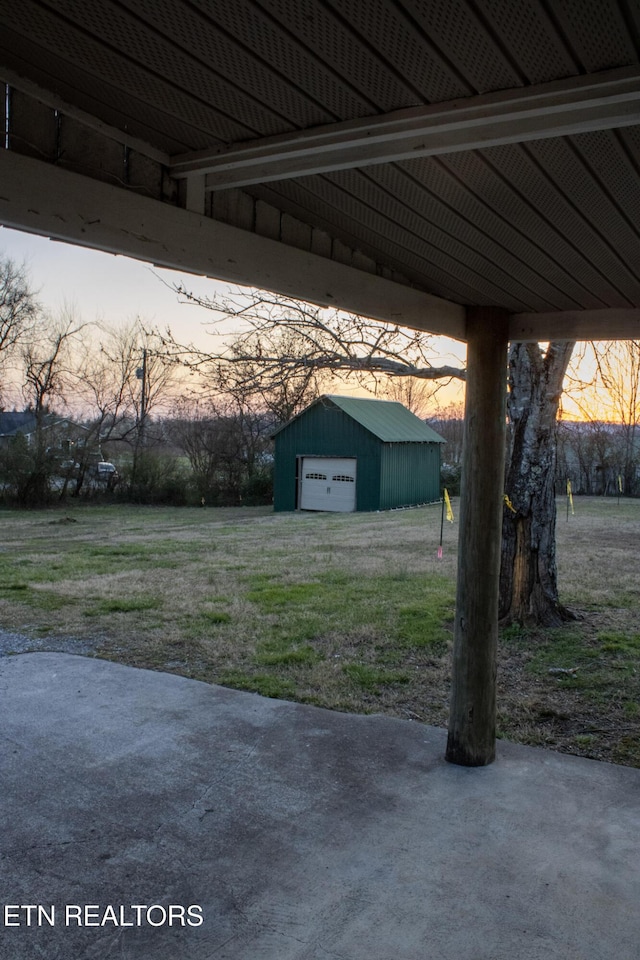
<point>477,152</point>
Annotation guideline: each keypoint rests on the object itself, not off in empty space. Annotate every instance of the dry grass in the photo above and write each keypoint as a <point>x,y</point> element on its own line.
<point>351,612</point>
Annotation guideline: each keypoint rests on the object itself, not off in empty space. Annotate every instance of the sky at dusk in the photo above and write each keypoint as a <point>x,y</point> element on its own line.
<point>101,286</point>
<point>115,289</point>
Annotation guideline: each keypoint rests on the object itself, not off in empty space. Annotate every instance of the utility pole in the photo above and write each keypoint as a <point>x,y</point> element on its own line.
<point>141,374</point>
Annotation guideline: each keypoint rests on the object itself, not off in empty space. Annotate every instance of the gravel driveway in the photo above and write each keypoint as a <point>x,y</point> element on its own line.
<point>11,643</point>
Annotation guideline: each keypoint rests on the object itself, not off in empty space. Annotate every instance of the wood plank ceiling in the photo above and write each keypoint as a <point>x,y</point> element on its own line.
<point>537,213</point>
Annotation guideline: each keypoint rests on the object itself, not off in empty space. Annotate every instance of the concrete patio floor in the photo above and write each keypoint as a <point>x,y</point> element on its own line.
<point>300,834</point>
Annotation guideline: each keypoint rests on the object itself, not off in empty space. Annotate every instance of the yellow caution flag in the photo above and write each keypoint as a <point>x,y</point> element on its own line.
<point>570,496</point>
<point>448,505</point>
<point>508,504</point>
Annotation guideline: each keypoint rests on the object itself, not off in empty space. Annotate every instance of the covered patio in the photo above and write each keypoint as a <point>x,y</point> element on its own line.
<point>465,167</point>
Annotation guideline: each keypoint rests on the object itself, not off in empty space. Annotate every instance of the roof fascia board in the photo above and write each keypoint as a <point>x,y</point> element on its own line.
<point>597,101</point>
<point>41,198</point>
<point>609,324</point>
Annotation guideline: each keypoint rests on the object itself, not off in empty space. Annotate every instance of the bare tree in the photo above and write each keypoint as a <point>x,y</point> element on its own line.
<point>414,394</point>
<point>618,366</point>
<point>128,375</point>
<point>288,347</point>
<point>19,309</point>
<point>125,379</point>
<point>240,375</point>
<point>46,361</point>
<point>575,456</point>
<point>104,374</point>
<point>528,574</point>
<point>226,446</point>
<point>449,423</point>
<point>603,385</point>
<point>47,373</point>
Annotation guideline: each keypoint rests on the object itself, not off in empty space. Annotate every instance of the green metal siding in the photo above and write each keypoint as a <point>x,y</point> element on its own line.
<point>394,474</point>
<point>324,430</point>
<point>410,474</point>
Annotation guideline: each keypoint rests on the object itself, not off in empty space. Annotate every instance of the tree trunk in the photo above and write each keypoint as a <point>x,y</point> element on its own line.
<point>528,574</point>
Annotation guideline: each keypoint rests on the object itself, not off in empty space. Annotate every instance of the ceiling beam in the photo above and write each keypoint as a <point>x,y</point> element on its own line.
<point>41,198</point>
<point>44,199</point>
<point>609,324</point>
<point>599,101</point>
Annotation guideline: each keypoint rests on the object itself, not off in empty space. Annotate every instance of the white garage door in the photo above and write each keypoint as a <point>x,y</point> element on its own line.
<point>328,484</point>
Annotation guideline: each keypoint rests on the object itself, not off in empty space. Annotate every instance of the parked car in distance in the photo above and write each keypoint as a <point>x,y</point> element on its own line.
<point>69,467</point>
<point>106,471</point>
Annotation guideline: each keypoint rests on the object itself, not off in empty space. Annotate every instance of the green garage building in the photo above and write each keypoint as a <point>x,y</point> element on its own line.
<point>349,453</point>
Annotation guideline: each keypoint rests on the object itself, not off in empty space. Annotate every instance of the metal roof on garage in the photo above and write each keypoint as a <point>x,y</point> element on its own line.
<point>387,420</point>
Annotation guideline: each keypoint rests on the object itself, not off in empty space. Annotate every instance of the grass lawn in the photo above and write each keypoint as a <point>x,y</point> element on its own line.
<point>351,612</point>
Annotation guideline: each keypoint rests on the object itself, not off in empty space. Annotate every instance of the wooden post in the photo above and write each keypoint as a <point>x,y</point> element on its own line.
<point>472,722</point>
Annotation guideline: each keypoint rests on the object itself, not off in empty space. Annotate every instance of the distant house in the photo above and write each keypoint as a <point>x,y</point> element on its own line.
<point>62,434</point>
<point>351,453</point>
<point>14,423</point>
